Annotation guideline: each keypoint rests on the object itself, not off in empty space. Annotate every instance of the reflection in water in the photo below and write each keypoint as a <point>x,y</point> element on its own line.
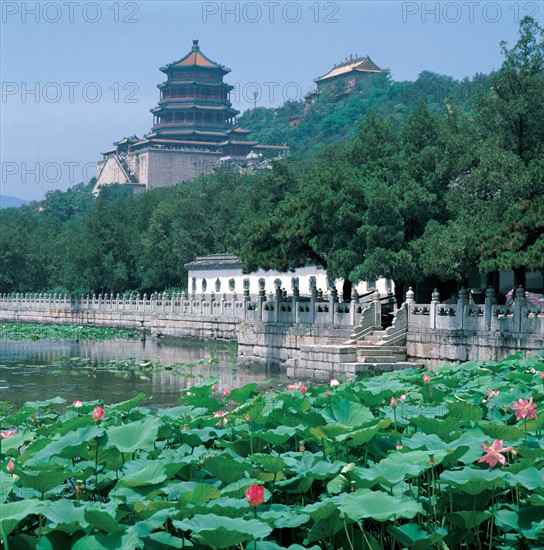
<point>35,371</point>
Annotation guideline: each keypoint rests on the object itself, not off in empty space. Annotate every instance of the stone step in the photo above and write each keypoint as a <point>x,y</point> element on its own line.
<point>361,368</point>
<point>370,338</point>
<point>381,358</point>
<point>380,350</point>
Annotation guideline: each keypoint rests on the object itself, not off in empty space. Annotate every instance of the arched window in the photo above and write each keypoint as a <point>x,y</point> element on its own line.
<point>193,284</point>
<point>232,285</point>
<point>217,285</point>
<point>204,285</point>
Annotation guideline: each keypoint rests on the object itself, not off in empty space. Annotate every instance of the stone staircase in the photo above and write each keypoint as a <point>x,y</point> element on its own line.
<point>377,349</point>
<point>374,352</point>
<point>368,349</point>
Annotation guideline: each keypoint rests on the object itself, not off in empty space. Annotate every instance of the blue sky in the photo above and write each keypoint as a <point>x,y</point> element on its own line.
<point>78,75</point>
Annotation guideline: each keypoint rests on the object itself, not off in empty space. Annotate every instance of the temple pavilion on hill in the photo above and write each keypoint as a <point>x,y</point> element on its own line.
<point>344,77</point>
<point>194,129</point>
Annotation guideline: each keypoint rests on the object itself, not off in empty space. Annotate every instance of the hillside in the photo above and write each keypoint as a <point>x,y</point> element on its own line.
<point>11,202</point>
<point>331,118</point>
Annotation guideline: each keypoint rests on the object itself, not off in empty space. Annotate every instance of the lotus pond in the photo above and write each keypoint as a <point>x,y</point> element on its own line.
<point>453,458</point>
<point>39,362</point>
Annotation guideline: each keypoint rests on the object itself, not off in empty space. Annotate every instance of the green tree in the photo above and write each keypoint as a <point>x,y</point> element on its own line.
<point>495,201</point>
<point>511,111</point>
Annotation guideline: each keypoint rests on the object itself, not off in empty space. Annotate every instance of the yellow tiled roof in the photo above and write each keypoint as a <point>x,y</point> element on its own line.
<point>365,65</point>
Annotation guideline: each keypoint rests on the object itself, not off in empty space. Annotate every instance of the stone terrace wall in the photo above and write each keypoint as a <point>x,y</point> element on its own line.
<point>278,329</point>
<point>269,329</point>
<point>439,333</point>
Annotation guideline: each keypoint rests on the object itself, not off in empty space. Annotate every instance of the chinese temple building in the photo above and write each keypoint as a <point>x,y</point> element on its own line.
<point>194,130</point>
<point>344,77</point>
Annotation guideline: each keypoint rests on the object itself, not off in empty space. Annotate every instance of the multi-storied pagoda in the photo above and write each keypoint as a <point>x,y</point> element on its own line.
<point>194,128</point>
<point>194,102</point>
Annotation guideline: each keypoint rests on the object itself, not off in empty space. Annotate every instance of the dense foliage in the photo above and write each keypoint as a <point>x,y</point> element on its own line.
<point>445,193</point>
<point>452,458</point>
<point>335,116</point>
<point>413,185</point>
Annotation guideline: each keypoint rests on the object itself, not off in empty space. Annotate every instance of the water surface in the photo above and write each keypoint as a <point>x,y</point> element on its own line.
<point>111,370</point>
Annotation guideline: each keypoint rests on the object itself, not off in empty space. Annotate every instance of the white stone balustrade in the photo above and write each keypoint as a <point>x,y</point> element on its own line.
<point>520,318</point>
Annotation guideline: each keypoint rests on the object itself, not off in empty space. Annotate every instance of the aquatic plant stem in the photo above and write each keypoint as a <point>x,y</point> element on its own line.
<point>96,466</point>
<point>255,516</point>
<point>347,535</point>
<point>397,435</point>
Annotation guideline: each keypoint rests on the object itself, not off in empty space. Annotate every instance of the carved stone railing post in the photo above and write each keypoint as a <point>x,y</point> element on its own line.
<point>333,300</point>
<point>462,303</point>
<point>435,300</point>
<point>246,285</point>
<point>278,297</point>
<point>353,307</point>
<point>295,314</point>
<point>313,300</point>
<point>490,301</point>
<point>377,305</point>
<point>520,309</point>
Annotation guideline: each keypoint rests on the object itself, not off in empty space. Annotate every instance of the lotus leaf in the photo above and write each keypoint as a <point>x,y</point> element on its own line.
<point>347,413</point>
<point>131,437</point>
<point>12,513</point>
<point>414,537</point>
<point>364,503</point>
<point>221,532</point>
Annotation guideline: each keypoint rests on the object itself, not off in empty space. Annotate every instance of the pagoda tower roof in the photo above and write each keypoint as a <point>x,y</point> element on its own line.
<point>238,130</point>
<point>352,65</point>
<point>127,140</point>
<point>195,58</point>
<point>189,106</point>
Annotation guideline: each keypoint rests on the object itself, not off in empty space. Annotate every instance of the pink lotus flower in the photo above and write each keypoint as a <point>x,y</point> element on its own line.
<point>393,403</point>
<point>222,420</point>
<point>255,494</point>
<point>328,393</point>
<point>77,404</point>
<point>98,414</point>
<point>7,433</point>
<point>226,392</point>
<point>247,418</point>
<point>10,466</point>
<point>334,383</point>
<point>494,453</point>
<point>214,387</point>
<point>403,397</point>
<point>398,447</point>
<point>492,393</point>
<point>541,375</point>
<point>524,409</point>
<point>300,387</point>
<point>426,378</point>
